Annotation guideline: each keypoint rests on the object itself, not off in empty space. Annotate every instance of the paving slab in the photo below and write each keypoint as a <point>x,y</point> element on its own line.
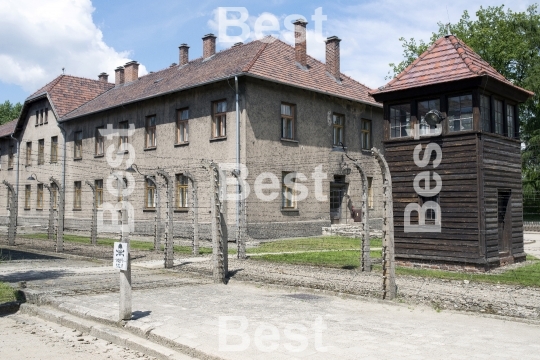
<point>239,321</point>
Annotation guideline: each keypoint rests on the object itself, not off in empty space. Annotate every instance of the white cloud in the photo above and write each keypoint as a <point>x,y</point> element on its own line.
<point>370,31</point>
<point>41,37</point>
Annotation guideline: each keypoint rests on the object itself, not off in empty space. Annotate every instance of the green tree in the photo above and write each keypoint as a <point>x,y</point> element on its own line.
<point>510,42</point>
<point>9,111</point>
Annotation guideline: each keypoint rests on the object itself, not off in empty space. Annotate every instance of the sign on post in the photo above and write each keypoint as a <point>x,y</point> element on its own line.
<point>121,255</point>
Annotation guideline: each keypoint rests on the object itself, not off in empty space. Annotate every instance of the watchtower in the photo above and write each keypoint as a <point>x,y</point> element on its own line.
<point>451,140</point>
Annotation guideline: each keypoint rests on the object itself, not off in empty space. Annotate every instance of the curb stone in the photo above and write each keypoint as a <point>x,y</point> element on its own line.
<point>117,336</point>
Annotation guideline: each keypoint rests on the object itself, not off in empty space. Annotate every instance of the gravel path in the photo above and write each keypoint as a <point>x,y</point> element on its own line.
<point>508,300</point>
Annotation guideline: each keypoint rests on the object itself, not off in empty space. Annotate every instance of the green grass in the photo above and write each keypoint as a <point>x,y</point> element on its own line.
<point>135,245</point>
<point>7,293</point>
<point>311,244</point>
<point>345,259</point>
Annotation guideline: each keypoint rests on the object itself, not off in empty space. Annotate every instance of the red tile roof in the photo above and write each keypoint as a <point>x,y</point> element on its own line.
<point>68,92</point>
<point>270,60</point>
<point>8,128</point>
<point>448,59</point>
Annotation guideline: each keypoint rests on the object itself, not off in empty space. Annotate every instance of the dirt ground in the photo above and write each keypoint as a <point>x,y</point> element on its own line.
<point>29,337</point>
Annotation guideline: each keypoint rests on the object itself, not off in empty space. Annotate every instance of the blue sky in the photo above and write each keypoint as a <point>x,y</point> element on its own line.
<point>87,37</point>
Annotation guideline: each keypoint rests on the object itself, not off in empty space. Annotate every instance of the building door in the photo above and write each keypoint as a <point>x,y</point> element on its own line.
<point>338,188</point>
<point>504,220</point>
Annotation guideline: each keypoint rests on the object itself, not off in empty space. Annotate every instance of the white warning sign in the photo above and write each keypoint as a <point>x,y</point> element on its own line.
<point>121,255</point>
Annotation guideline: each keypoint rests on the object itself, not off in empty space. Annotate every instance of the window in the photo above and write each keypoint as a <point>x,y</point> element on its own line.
<point>54,192</point>
<point>41,152</point>
<point>288,194</point>
<point>370,192</point>
<point>423,108</point>
<point>338,122</point>
<point>460,113</point>
<point>150,132</point>
<point>37,117</point>
<point>287,121</point>
<point>10,158</point>
<point>46,115</point>
<point>485,112</point>
<point>29,153</point>
<point>27,196</point>
<point>498,112</point>
<point>119,189</point>
<point>510,123</point>
<point>182,127</point>
<point>149,194</point>
<point>366,134</point>
<point>431,212</point>
<point>400,120</point>
<point>181,191</point>
<point>39,203</point>
<point>98,184</point>
<point>78,145</point>
<point>41,117</point>
<point>219,119</point>
<point>77,195</point>
<point>54,149</point>
<point>100,146</point>
<point>123,138</point>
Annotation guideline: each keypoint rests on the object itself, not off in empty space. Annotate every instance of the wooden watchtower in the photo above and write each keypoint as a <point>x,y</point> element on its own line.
<point>458,200</point>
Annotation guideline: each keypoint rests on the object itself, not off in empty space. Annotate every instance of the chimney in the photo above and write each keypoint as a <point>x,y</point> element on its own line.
<point>209,45</point>
<point>131,71</point>
<point>119,75</point>
<point>184,54</point>
<point>332,57</point>
<point>300,42</point>
<point>103,77</point>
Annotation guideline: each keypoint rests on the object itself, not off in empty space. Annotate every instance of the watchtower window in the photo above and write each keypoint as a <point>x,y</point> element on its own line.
<point>400,120</point>
<point>460,114</point>
<point>423,108</point>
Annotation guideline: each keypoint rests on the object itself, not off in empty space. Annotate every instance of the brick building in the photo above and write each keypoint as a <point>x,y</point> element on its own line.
<point>265,105</point>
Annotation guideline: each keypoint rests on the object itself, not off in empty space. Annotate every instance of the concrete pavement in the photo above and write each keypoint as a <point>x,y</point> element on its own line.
<point>532,243</point>
<point>240,321</point>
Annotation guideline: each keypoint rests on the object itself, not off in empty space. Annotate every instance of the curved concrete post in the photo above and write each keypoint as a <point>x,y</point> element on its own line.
<point>157,217</point>
<point>169,226</point>
<point>240,211</point>
<point>219,242</point>
<point>388,260</point>
<point>93,227</point>
<point>50,226</point>
<point>194,212</point>
<point>60,231</point>
<point>365,258</point>
<point>13,210</point>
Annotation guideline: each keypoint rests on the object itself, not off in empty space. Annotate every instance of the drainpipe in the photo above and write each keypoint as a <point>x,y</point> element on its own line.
<point>61,207</point>
<point>17,178</point>
<point>237,162</point>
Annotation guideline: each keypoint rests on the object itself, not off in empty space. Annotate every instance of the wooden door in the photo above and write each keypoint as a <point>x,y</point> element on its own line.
<point>504,216</point>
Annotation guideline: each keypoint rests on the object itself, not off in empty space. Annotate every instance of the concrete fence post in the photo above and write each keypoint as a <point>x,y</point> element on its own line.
<point>240,239</point>
<point>61,203</point>
<point>365,257</point>
<point>169,225</point>
<point>388,259</point>
<point>50,226</point>
<point>93,226</point>
<point>219,242</point>
<point>194,213</point>
<point>13,210</point>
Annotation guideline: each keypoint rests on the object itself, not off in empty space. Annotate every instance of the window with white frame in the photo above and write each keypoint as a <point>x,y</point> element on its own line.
<point>400,120</point>
<point>288,191</point>
<point>219,119</point>
<point>182,126</point>
<point>338,124</point>
<point>287,121</point>
<point>423,108</point>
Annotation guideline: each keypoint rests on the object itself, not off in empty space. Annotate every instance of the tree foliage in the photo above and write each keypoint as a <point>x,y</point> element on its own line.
<point>510,42</point>
<point>9,111</point>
